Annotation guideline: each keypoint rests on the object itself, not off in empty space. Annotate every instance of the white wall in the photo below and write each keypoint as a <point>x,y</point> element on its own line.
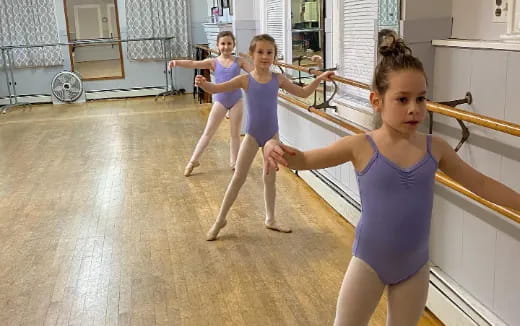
<point>476,247</point>
<point>421,22</point>
<point>420,9</point>
<point>245,17</point>
<point>472,19</point>
<point>200,12</point>
<point>137,73</point>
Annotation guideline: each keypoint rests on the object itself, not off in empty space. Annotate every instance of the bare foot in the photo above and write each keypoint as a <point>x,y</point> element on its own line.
<point>277,227</point>
<point>189,168</point>
<point>215,229</point>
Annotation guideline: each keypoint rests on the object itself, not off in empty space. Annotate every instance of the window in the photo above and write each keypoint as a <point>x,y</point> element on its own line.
<point>361,21</point>
<point>275,23</point>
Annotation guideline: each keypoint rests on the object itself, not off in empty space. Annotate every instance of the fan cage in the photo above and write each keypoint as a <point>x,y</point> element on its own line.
<point>66,86</point>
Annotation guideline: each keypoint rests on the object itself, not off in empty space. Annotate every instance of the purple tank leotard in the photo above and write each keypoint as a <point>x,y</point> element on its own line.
<point>262,106</point>
<point>223,74</point>
<point>393,233</point>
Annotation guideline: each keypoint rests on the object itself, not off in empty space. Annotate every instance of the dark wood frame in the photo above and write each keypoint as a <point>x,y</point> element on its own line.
<point>118,44</point>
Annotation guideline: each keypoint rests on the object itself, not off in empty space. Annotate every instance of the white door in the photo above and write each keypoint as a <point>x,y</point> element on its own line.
<point>88,22</point>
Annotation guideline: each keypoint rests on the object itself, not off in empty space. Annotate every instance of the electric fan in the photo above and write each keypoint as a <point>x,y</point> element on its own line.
<point>67,87</point>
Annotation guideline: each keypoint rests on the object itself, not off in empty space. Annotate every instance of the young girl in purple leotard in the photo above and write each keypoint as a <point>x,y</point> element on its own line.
<point>225,67</point>
<point>261,87</point>
<point>395,168</point>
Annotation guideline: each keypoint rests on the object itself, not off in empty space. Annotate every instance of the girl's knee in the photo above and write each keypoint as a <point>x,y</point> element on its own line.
<point>239,177</point>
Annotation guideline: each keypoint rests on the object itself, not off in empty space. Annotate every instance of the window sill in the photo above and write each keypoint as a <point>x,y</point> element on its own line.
<point>478,44</point>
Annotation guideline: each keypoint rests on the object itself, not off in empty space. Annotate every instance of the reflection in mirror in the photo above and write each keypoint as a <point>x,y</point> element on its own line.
<point>89,20</point>
<point>307,30</point>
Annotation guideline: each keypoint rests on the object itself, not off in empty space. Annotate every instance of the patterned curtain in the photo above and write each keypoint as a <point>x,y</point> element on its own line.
<point>157,18</point>
<point>29,22</point>
<point>389,14</point>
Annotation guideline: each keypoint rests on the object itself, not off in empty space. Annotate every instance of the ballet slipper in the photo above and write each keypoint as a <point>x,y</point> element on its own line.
<point>277,227</point>
<point>215,229</point>
<point>189,168</point>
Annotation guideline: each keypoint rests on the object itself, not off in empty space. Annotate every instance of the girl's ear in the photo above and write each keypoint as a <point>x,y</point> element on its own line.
<point>376,100</point>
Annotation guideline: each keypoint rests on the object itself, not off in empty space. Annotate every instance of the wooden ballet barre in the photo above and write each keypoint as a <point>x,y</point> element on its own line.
<point>206,48</point>
<point>475,118</point>
<point>439,176</point>
<point>322,114</point>
<point>481,120</point>
<point>447,181</point>
<point>316,72</point>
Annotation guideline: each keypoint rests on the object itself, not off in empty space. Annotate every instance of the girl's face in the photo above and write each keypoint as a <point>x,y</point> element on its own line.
<point>226,45</point>
<point>403,106</point>
<point>263,55</point>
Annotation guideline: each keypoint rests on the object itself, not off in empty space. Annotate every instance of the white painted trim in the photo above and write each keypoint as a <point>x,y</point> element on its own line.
<point>287,25</point>
<point>349,212</point>
<point>477,44</point>
<point>98,95</point>
<point>459,298</point>
<point>444,309</point>
<point>109,17</point>
<point>76,16</point>
<point>91,95</point>
<point>512,16</point>
<point>28,99</point>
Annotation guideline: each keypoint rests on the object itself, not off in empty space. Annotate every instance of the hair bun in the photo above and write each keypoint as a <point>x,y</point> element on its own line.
<point>390,45</point>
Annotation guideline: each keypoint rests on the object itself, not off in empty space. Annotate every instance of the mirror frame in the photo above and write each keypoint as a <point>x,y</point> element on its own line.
<point>118,37</point>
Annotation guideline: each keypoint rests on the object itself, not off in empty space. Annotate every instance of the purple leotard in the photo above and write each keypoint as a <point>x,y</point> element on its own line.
<point>223,74</point>
<point>262,106</point>
<point>393,233</point>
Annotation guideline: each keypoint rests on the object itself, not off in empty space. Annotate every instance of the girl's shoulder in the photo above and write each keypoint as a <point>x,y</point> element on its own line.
<point>280,77</point>
<point>357,143</point>
<point>212,62</point>
<point>439,147</point>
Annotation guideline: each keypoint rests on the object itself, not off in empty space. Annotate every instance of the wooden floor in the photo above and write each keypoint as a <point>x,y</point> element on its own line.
<point>99,68</point>
<point>98,226</point>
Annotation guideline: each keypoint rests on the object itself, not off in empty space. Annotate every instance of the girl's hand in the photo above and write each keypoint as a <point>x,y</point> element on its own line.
<point>325,75</point>
<point>273,154</point>
<point>200,81</point>
<point>171,64</point>
<point>317,59</point>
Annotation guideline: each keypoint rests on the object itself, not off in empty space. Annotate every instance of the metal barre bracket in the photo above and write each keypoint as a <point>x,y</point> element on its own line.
<point>326,101</point>
<point>465,131</point>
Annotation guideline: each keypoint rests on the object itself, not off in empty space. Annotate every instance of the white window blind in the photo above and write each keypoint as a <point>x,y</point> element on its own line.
<point>275,23</point>
<point>359,44</point>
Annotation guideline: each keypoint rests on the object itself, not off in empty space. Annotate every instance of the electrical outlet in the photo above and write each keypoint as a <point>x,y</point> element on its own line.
<point>499,11</point>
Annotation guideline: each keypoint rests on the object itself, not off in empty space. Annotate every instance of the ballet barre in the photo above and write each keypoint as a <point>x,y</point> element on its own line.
<point>439,176</point>
<point>8,65</point>
<point>441,108</point>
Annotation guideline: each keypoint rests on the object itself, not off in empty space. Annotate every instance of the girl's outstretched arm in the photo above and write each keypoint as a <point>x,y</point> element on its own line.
<point>339,152</point>
<point>478,183</point>
<point>235,83</point>
<point>203,64</point>
<point>299,91</point>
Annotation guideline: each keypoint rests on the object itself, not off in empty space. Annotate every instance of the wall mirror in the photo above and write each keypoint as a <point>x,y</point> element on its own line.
<point>89,20</point>
<point>307,30</point>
